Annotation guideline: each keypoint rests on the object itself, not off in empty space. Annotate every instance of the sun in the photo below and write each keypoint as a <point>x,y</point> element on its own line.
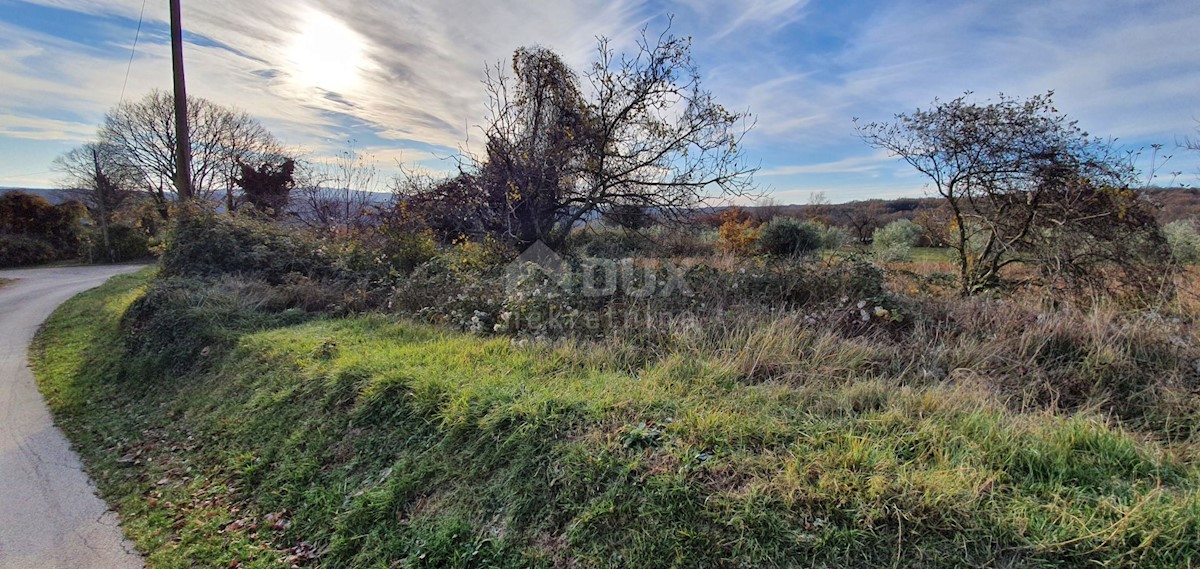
<point>326,54</point>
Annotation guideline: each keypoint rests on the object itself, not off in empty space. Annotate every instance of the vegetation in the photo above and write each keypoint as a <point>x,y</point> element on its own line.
<point>790,237</point>
<point>1008,375</point>
<point>232,429</point>
<point>650,137</point>
<point>1184,241</point>
<point>140,134</point>
<point>34,231</point>
<point>1024,184</point>
<point>894,241</point>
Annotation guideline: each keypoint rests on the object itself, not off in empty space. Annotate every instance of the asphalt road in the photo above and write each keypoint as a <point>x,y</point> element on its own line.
<point>50,516</point>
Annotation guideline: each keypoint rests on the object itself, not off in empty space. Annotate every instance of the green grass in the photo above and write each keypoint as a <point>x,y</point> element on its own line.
<point>933,255</point>
<point>375,442</point>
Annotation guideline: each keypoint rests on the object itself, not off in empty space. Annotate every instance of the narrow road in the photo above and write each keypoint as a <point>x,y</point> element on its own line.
<point>50,516</point>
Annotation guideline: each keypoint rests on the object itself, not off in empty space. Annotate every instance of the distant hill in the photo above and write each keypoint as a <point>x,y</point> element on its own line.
<point>53,196</point>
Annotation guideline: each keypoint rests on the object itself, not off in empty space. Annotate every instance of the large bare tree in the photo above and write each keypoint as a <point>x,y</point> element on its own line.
<point>142,133</point>
<point>646,135</point>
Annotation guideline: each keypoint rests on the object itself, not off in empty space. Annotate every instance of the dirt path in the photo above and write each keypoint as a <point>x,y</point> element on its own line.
<point>50,516</point>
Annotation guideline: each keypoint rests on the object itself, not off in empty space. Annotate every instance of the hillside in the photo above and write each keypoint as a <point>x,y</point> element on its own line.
<point>299,440</point>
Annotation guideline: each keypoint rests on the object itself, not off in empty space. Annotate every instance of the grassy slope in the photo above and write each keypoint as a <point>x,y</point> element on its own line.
<point>382,443</point>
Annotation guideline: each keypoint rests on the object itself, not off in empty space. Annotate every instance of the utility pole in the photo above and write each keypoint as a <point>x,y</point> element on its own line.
<point>183,145</point>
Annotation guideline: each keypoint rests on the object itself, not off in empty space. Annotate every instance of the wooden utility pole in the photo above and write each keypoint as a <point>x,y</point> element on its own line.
<point>183,145</point>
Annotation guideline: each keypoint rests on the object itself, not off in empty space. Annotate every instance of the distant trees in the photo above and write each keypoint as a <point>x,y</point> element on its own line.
<point>142,136</point>
<point>649,137</point>
<point>102,182</point>
<point>33,230</point>
<point>1023,183</point>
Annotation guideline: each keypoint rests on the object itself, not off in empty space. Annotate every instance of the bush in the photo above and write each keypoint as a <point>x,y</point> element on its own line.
<point>209,246</point>
<point>33,216</point>
<point>125,243</point>
<point>1184,241</point>
<point>738,232</point>
<point>894,242</point>
<point>899,232</point>
<point>789,237</point>
<point>21,251</point>
<point>180,323</point>
<point>834,237</point>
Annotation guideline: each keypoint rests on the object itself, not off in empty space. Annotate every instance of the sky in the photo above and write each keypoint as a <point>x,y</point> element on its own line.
<point>400,81</point>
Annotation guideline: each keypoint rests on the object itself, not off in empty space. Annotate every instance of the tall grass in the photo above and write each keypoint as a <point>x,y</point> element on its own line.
<point>954,432</point>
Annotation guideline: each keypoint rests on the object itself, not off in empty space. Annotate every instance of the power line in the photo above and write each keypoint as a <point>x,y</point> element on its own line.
<point>133,51</point>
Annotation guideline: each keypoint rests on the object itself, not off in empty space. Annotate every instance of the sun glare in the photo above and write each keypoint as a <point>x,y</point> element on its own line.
<point>326,53</point>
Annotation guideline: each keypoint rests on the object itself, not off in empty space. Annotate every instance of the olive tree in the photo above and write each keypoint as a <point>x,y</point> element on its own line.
<point>1024,184</point>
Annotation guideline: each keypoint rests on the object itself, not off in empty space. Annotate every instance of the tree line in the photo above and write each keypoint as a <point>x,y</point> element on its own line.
<point>636,139</point>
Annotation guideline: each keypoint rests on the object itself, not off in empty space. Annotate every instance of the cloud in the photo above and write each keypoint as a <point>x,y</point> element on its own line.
<point>803,68</point>
<point>852,165</point>
<point>46,129</point>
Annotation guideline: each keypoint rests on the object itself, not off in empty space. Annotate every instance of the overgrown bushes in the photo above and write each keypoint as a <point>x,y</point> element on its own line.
<point>1184,241</point>
<point>894,241</point>
<point>790,237</point>
<point>34,231</point>
<point>22,251</point>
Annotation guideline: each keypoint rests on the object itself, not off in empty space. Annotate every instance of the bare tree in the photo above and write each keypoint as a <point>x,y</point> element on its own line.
<point>101,181</point>
<point>650,137</point>
<point>337,196</point>
<point>1018,177</point>
<point>142,133</point>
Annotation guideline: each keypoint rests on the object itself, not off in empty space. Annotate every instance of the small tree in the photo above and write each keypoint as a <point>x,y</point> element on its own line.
<point>102,182</point>
<point>1019,178</point>
<point>894,241</point>
<point>790,237</point>
<point>267,187</point>
<point>1184,241</point>
<point>739,231</point>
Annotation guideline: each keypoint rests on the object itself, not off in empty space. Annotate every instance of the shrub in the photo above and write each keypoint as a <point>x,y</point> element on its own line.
<point>33,216</point>
<point>1184,241</point>
<point>125,243</point>
<point>789,237</point>
<point>894,241</point>
<point>834,237</point>
<point>180,323</point>
<point>209,246</point>
<point>608,243</point>
<point>21,251</point>
<point>899,232</point>
<point>738,232</point>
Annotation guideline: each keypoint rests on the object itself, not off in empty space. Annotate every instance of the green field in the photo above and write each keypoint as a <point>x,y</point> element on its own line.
<point>374,442</point>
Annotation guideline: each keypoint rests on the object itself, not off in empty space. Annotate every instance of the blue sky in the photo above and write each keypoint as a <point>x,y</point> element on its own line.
<point>403,77</point>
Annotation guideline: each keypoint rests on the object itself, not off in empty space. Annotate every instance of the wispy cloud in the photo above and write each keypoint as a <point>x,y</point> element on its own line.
<point>1124,68</point>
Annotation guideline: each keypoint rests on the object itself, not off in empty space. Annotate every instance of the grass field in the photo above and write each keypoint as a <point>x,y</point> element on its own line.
<point>374,442</point>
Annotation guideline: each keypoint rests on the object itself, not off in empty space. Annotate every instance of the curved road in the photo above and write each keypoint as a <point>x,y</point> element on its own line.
<point>50,516</point>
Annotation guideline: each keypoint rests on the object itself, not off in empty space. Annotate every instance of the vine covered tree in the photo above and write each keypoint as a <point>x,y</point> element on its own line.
<point>269,186</point>
<point>648,137</point>
<point>1024,184</point>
